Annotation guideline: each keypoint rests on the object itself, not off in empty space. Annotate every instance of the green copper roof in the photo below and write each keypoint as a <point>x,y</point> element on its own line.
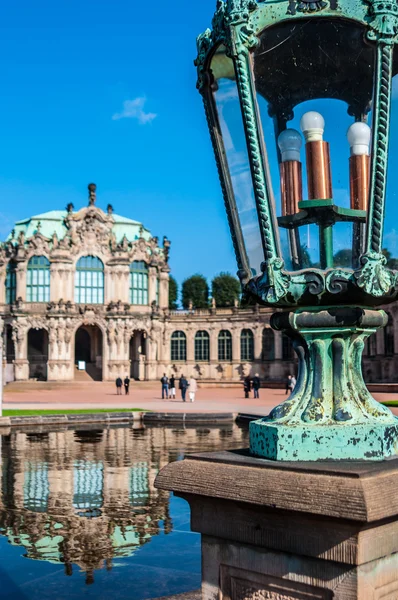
<point>53,221</point>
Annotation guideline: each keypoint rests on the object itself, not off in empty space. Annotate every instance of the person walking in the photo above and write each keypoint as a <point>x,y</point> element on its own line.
<point>126,386</point>
<point>183,384</point>
<point>172,387</point>
<point>193,388</point>
<point>246,386</point>
<point>294,381</point>
<point>119,384</point>
<point>289,386</point>
<point>165,386</point>
<point>256,383</point>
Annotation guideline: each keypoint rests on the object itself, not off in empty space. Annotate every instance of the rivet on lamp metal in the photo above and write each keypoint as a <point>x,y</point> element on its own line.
<point>265,70</point>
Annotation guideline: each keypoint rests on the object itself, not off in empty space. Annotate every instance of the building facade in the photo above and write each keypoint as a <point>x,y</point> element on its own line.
<point>85,293</point>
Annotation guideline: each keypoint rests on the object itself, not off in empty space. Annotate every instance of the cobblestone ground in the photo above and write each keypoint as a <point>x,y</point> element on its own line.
<point>146,395</point>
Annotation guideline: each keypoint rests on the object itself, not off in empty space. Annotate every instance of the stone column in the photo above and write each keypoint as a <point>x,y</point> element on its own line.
<point>214,344</point>
<point>236,344</point>
<point>278,345</point>
<point>20,339</point>
<point>380,341</point>
<point>164,288</point>
<point>152,276</point>
<point>274,532</point>
<point>258,343</point>
<point>21,280</point>
<point>190,345</point>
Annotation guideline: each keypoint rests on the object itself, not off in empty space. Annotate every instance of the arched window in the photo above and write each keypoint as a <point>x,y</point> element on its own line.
<point>89,280</point>
<point>178,346</point>
<point>287,348</point>
<point>224,345</point>
<point>138,282</point>
<point>11,282</point>
<point>246,345</point>
<point>38,279</point>
<point>389,336</point>
<point>202,346</point>
<point>268,344</point>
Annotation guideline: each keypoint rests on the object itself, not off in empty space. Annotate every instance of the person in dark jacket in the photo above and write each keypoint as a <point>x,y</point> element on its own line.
<point>183,385</point>
<point>165,386</point>
<point>172,386</point>
<point>119,384</point>
<point>247,386</point>
<point>256,383</point>
<point>126,383</point>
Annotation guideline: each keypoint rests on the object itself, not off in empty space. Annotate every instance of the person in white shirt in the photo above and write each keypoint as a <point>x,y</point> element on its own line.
<point>193,387</point>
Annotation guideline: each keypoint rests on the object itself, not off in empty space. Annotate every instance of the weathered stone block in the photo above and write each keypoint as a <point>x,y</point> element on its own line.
<point>316,442</point>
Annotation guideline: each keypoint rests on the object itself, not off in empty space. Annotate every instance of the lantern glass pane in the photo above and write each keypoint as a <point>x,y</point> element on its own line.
<point>226,98</point>
<point>390,236</point>
<point>313,66</point>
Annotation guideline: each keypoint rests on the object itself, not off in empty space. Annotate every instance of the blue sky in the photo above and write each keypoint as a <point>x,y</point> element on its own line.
<point>67,69</point>
<point>105,92</point>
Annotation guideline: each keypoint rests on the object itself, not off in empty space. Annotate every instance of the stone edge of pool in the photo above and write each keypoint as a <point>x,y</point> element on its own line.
<point>188,596</point>
<point>126,417</point>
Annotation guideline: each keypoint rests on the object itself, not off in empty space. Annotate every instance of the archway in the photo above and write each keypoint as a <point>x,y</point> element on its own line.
<point>38,354</point>
<point>137,355</point>
<point>88,353</point>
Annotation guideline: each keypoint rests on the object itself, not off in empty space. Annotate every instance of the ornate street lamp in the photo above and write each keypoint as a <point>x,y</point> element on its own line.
<point>314,249</point>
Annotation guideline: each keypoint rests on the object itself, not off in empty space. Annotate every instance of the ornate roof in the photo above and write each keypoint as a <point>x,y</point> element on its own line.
<point>53,221</point>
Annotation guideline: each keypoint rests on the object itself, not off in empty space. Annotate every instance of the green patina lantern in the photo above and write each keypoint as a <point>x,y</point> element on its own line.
<point>313,249</point>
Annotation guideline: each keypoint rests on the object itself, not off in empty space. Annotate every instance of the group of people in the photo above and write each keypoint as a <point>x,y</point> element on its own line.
<point>120,384</point>
<point>169,387</point>
<point>252,384</point>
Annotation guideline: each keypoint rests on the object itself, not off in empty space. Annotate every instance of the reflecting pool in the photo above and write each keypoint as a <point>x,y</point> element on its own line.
<point>80,517</point>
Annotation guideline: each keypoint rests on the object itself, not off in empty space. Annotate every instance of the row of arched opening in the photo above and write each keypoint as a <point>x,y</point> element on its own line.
<point>178,346</point>
<point>89,281</point>
<point>88,349</point>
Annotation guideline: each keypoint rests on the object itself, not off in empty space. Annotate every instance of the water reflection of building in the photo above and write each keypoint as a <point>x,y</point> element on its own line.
<point>87,497</point>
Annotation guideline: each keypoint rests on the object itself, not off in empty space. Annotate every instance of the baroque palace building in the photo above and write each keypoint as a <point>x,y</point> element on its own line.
<point>91,288</point>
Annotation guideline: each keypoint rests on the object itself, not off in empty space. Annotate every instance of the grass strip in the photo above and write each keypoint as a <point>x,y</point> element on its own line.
<point>390,403</point>
<point>82,411</point>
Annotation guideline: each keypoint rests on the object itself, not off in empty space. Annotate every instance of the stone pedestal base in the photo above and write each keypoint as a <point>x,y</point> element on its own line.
<point>284,531</point>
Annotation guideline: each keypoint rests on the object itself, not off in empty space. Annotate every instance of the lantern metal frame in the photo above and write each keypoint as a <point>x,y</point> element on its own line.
<point>329,312</point>
<point>237,25</point>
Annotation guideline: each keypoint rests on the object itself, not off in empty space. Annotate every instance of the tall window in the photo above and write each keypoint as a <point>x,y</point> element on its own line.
<point>268,344</point>
<point>89,280</point>
<point>246,345</point>
<point>287,348</point>
<point>178,346</point>
<point>224,345</point>
<point>389,336</point>
<point>202,345</point>
<point>138,282</point>
<point>38,279</point>
<point>11,282</point>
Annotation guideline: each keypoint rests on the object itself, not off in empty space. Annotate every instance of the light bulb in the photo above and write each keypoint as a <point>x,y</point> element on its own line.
<point>312,125</point>
<point>290,142</point>
<point>358,136</point>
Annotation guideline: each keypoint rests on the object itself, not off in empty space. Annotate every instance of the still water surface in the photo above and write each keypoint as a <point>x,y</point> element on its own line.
<point>80,517</point>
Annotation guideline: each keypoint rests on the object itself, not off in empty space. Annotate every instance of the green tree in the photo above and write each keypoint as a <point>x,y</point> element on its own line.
<point>343,258</point>
<point>173,293</point>
<point>392,263</point>
<point>195,289</point>
<point>225,289</point>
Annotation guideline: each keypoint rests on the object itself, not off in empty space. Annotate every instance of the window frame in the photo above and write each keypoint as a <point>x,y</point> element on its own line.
<point>224,345</point>
<point>139,283</point>
<point>38,279</point>
<point>202,346</point>
<point>85,290</point>
<point>178,346</point>
<point>246,345</point>
<point>11,282</point>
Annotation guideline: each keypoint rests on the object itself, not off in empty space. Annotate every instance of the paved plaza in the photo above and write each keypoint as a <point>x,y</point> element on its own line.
<point>145,395</point>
